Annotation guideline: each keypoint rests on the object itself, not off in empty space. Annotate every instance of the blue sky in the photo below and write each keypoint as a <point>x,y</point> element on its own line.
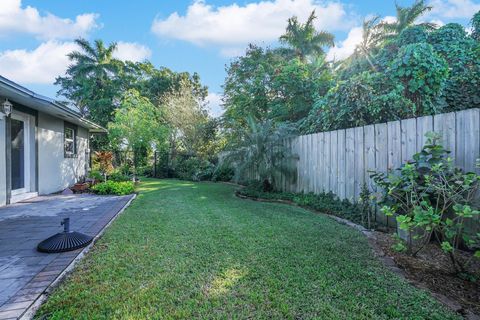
<point>183,35</point>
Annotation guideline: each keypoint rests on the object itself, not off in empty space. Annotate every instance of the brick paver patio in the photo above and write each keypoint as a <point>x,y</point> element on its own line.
<point>26,273</point>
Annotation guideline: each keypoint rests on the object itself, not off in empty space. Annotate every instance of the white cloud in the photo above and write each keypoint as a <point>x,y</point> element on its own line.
<point>41,65</point>
<point>214,101</point>
<point>346,47</point>
<point>389,19</point>
<point>17,19</point>
<point>49,60</point>
<point>460,9</point>
<point>233,26</point>
<point>439,23</point>
<point>132,51</point>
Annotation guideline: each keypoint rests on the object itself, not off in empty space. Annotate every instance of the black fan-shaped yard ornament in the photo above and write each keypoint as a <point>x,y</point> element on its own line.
<point>64,241</point>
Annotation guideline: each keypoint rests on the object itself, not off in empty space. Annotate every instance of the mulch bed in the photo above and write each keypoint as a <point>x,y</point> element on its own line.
<point>432,269</point>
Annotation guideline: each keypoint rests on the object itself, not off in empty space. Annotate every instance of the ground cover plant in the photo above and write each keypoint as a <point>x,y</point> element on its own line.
<point>187,250</point>
<point>118,188</point>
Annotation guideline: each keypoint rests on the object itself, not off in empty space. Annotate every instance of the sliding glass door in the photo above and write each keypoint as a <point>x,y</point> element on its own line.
<point>19,154</point>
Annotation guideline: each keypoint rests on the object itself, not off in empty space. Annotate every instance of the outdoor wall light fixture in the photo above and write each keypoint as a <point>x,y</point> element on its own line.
<point>6,108</point>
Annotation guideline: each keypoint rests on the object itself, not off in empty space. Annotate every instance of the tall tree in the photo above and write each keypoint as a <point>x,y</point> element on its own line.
<point>137,126</point>
<point>90,80</point>
<point>406,17</point>
<point>185,114</point>
<point>304,40</point>
<point>93,60</point>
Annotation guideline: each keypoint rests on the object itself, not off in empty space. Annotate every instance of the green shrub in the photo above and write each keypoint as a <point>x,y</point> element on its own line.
<point>432,199</point>
<point>146,171</point>
<point>223,172</point>
<point>118,177</point>
<point>194,169</point>
<point>95,174</point>
<point>114,187</point>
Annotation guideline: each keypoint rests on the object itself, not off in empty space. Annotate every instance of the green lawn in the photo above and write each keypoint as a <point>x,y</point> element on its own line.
<point>193,250</point>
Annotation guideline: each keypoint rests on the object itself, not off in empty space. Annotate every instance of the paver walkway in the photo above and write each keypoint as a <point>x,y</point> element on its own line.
<point>26,273</point>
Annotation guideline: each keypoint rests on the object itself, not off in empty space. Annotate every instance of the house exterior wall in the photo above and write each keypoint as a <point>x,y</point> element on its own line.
<point>3,165</point>
<point>55,171</point>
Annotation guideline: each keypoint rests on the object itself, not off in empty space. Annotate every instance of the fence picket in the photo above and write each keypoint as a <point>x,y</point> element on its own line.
<point>341,161</point>
<point>471,140</point>
<point>350,164</point>
<point>359,162</point>
<point>424,125</point>
<point>341,164</point>
<point>408,139</point>
<point>321,163</point>
<point>444,124</point>
<point>369,147</point>
<point>381,158</point>
<point>327,161</point>
<point>333,161</point>
<point>460,139</point>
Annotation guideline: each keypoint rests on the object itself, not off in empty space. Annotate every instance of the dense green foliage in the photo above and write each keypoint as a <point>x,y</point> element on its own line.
<point>193,169</point>
<point>119,188</point>
<point>118,177</point>
<point>432,200</point>
<point>144,108</point>
<point>223,172</point>
<point>401,69</point>
<point>137,124</point>
<point>266,84</point>
<point>419,72</point>
<point>187,250</point>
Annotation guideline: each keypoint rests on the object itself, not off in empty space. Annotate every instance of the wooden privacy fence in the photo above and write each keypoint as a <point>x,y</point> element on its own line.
<point>339,161</point>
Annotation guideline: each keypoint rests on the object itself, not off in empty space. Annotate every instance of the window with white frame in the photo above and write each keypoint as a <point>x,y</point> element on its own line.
<point>70,141</point>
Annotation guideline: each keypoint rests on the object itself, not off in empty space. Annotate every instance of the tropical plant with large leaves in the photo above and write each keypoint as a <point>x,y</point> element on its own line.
<point>405,17</point>
<point>261,151</point>
<point>304,40</point>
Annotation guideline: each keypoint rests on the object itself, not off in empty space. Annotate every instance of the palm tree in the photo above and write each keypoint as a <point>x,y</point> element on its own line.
<point>370,39</point>
<point>304,40</point>
<point>93,60</point>
<point>261,151</point>
<point>406,17</point>
<point>87,77</point>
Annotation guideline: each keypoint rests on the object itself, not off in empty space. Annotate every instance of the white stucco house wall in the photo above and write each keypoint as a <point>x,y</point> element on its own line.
<point>44,145</point>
